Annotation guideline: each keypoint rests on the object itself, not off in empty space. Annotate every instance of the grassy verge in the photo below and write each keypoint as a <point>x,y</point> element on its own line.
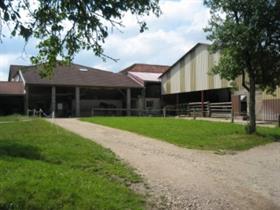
<point>10,118</point>
<point>192,133</point>
<point>46,167</point>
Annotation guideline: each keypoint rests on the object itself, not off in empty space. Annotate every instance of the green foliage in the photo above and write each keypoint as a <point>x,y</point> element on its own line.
<point>45,167</point>
<point>63,28</point>
<point>248,34</point>
<point>191,133</point>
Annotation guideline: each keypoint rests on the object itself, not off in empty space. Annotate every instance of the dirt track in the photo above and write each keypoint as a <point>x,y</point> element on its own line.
<point>181,178</point>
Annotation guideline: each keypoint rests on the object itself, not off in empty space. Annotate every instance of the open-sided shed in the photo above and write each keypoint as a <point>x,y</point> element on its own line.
<point>74,90</point>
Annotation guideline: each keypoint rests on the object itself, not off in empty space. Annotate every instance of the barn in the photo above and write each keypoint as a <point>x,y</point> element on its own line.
<point>188,83</point>
<point>148,75</point>
<point>72,91</point>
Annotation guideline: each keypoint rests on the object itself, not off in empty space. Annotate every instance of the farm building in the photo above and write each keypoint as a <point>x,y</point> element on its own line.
<point>73,90</point>
<point>11,97</point>
<point>188,82</point>
<point>148,76</point>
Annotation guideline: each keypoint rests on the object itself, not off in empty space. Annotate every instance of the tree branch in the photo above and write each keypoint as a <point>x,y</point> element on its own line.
<point>244,82</point>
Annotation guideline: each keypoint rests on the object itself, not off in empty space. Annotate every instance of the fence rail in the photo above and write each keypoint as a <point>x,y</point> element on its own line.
<point>195,109</point>
<point>36,113</point>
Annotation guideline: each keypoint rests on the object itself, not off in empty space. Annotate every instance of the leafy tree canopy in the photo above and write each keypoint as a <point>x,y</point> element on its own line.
<point>247,32</point>
<point>64,27</point>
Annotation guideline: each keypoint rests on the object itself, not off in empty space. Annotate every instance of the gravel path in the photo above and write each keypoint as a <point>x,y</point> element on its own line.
<point>180,178</point>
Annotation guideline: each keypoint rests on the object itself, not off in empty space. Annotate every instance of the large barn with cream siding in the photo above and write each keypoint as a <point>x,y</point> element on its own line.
<point>189,81</point>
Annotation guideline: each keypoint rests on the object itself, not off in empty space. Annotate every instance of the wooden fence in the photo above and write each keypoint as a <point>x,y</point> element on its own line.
<point>207,109</point>
<point>195,109</point>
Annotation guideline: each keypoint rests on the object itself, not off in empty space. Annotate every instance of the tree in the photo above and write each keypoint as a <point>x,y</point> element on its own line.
<point>247,33</point>
<point>64,27</point>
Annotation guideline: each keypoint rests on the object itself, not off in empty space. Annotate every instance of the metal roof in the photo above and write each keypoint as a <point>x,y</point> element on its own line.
<point>146,76</point>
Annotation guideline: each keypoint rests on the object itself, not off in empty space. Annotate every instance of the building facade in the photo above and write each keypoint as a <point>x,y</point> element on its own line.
<point>72,91</point>
<point>190,80</point>
<point>148,76</point>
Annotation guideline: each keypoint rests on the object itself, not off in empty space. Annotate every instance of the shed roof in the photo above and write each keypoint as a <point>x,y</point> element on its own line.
<point>11,88</point>
<point>145,76</point>
<point>77,75</point>
<point>150,68</point>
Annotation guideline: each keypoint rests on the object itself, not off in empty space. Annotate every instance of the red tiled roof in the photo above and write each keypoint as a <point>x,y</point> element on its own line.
<point>11,88</point>
<point>149,68</point>
<point>70,75</point>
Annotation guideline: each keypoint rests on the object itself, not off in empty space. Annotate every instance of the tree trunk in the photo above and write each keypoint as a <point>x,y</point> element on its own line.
<point>252,105</point>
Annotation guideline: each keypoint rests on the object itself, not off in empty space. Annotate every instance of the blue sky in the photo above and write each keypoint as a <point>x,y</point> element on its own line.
<point>168,38</point>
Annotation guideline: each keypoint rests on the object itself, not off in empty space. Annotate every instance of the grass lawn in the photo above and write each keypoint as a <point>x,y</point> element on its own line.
<point>46,167</point>
<point>192,133</point>
<point>13,118</point>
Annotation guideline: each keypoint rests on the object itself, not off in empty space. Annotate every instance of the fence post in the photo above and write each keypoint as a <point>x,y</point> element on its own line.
<point>164,112</point>
<point>279,120</point>
<point>209,109</point>
<point>232,116</point>
<point>194,113</point>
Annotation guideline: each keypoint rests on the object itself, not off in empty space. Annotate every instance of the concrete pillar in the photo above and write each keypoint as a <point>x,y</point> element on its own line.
<point>128,102</point>
<point>77,101</point>
<point>53,101</point>
<point>26,100</point>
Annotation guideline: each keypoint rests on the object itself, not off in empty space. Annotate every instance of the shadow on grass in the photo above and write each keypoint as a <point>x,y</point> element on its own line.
<point>11,149</point>
<point>274,137</point>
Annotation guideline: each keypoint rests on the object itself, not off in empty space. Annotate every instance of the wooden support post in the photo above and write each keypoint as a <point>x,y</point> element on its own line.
<point>202,103</point>
<point>128,102</point>
<point>209,109</point>
<point>77,101</point>
<point>53,101</point>
<point>177,104</point>
<point>232,115</point>
<point>143,95</point>
<point>26,101</point>
<point>164,112</point>
<point>279,120</point>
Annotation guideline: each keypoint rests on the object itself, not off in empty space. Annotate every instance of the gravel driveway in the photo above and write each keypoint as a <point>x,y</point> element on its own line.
<point>180,178</point>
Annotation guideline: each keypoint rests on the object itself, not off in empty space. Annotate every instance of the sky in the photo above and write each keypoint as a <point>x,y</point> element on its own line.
<point>169,37</point>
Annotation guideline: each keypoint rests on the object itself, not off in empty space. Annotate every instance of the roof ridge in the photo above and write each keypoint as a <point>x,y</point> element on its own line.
<point>184,55</point>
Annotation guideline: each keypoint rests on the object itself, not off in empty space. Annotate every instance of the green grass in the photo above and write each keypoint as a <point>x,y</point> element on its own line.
<point>192,133</point>
<point>46,167</point>
<point>12,118</point>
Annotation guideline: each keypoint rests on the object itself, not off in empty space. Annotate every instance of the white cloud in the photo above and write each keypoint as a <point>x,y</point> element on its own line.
<point>6,60</point>
<point>168,38</point>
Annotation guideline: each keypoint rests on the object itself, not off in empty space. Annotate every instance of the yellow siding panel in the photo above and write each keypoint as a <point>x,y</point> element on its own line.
<point>182,76</point>
<point>276,95</point>
<point>188,73</point>
<point>238,83</point>
<point>193,72</point>
<point>175,79</point>
<point>168,85</point>
<point>210,66</point>
<point>224,83</point>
